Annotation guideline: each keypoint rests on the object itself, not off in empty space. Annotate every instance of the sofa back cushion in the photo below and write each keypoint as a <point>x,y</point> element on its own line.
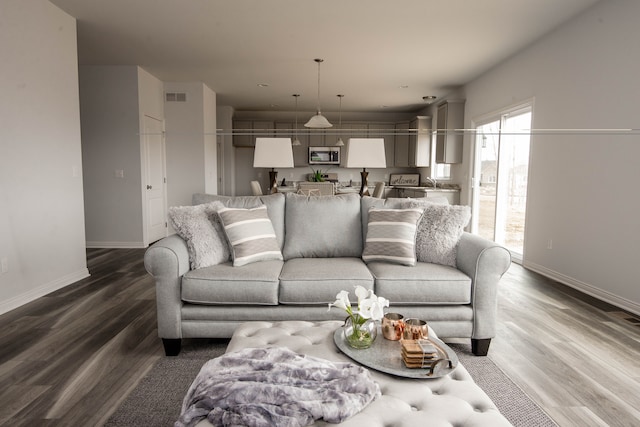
<point>273,202</point>
<point>322,226</point>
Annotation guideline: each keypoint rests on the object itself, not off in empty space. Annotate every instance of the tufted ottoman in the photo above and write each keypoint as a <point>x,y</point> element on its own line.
<point>453,400</point>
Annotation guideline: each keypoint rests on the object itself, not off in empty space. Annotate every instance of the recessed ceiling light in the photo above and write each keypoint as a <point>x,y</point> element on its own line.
<point>263,85</point>
<point>404,86</point>
<point>429,98</point>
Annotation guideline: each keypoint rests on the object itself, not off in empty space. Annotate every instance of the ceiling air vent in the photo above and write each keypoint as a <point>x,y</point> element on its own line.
<point>175,97</point>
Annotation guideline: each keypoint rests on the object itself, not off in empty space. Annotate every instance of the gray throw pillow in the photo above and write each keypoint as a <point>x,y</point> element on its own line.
<point>200,227</point>
<point>391,236</point>
<point>439,232</point>
<point>250,234</point>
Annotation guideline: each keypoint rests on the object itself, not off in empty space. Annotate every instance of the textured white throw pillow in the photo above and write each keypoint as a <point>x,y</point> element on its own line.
<point>391,236</point>
<point>200,227</point>
<point>439,232</point>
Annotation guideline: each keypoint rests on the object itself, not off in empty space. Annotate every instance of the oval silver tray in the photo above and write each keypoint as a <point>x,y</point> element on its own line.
<point>385,356</point>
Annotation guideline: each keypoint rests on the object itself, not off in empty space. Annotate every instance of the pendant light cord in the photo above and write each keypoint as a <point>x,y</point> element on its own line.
<point>319,61</point>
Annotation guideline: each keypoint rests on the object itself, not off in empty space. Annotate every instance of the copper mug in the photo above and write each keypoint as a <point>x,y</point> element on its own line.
<point>415,329</point>
<point>392,326</point>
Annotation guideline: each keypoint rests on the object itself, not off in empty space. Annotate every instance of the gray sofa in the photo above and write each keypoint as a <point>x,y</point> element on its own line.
<point>322,240</point>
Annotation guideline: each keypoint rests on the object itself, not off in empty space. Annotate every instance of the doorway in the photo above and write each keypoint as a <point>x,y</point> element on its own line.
<point>155,186</point>
<point>500,178</point>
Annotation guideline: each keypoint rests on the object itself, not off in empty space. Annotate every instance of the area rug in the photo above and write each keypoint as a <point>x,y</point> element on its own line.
<point>157,399</point>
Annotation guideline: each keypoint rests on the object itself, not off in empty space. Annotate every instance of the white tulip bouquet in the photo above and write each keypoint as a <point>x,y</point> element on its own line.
<point>370,307</point>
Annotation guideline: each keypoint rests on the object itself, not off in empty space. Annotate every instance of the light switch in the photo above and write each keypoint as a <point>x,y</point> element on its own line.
<point>119,173</point>
<point>4,265</point>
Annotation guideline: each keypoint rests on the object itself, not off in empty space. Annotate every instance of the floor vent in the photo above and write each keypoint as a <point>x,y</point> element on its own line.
<point>175,97</point>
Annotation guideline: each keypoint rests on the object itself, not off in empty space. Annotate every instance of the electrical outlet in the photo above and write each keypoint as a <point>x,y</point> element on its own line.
<point>4,265</point>
<point>549,244</point>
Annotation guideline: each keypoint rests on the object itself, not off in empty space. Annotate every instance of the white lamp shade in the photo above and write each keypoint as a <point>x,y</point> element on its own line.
<point>273,153</point>
<point>366,153</point>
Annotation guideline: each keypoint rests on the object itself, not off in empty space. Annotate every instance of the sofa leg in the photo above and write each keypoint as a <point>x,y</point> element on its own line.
<point>172,346</point>
<point>480,347</point>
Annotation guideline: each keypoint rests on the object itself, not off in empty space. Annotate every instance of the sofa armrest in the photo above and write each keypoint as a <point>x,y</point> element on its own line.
<point>484,262</point>
<point>167,260</point>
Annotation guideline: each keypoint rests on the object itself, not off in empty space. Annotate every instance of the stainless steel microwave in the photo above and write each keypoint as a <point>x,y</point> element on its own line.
<point>324,155</point>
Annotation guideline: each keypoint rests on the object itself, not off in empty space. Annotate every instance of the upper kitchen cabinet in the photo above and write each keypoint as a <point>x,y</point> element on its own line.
<point>317,137</point>
<point>300,152</point>
<point>250,130</point>
<point>420,141</point>
<point>385,131</point>
<point>448,141</point>
<point>401,149</point>
<point>355,130</point>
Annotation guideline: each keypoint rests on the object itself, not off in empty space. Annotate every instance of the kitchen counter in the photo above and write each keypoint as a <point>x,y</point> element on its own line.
<point>451,194</point>
<point>429,189</point>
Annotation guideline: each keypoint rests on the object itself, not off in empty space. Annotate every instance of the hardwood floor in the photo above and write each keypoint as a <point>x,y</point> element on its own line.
<point>71,357</point>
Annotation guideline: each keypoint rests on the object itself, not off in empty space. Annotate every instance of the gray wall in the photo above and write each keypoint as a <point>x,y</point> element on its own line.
<point>113,101</point>
<point>190,142</point>
<point>41,203</point>
<point>582,188</point>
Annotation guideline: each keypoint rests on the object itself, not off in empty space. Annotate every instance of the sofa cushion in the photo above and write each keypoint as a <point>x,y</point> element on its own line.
<point>200,228</point>
<point>425,283</point>
<point>273,202</point>
<point>317,281</point>
<point>250,234</point>
<point>322,226</point>
<point>224,284</point>
<point>439,232</point>
<point>391,236</point>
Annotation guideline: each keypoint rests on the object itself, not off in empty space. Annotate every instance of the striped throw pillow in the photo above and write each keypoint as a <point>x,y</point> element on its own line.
<point>391,236</point>
<point>250,234</point>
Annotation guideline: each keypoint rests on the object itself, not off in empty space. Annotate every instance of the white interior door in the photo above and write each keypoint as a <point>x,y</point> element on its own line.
<point>155,186</point>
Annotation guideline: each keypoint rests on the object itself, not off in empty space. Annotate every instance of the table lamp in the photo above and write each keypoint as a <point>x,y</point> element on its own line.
<point>273,153</point>
<point>365,153</point>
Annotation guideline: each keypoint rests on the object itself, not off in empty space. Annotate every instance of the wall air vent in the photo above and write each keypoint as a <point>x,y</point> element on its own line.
<point>175,97</point>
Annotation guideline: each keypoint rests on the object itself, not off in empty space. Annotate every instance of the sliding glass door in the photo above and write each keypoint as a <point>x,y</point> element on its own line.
<point>500,178</point>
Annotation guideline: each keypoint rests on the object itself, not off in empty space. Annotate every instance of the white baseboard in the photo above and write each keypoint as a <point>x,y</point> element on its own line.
<point>43,290</point>
<point>115,245</point>
<point>586,288</point>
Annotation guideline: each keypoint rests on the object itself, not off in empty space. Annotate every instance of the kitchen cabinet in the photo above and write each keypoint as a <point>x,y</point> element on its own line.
<point>386,132</point>
<point>448,141</point>
<point>401,148</point>
<point>250,131</point>
<point>300,152</point>
<point>316,137</point>
<point>420,142</point>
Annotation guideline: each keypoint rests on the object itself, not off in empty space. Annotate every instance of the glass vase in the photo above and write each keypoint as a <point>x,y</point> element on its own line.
<point>360,335</point>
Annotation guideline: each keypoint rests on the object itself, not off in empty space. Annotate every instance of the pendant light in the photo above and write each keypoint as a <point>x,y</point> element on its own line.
<point>318,121</point>
<point>340,141</point>
<point>296,141</point>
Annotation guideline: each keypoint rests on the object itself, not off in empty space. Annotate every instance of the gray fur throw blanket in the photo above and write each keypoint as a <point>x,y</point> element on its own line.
<point>275,386</point>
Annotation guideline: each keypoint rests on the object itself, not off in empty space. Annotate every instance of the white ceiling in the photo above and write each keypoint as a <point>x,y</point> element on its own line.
<point>371,48</point>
